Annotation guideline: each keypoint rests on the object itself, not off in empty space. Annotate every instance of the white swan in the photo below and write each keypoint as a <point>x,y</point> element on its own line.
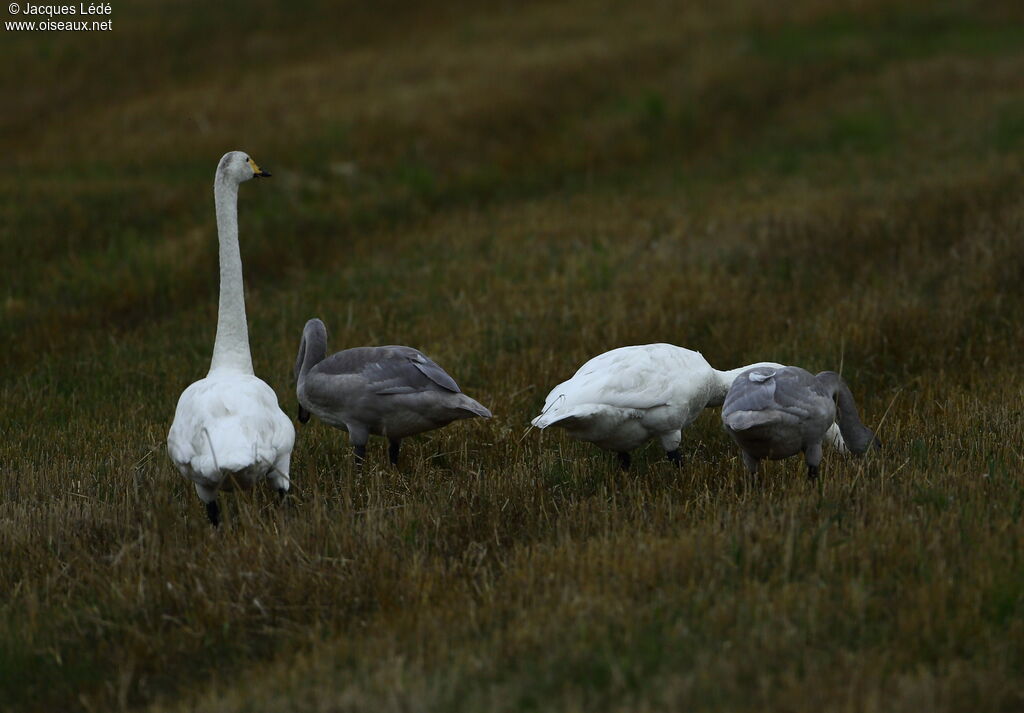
<point>391,391</point>
<point>775,413</point>
<point>229,430</point>
<point>622,398</point>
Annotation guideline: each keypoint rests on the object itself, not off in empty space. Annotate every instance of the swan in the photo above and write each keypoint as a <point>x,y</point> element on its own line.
<point>390,391</point>
<point>778,412</point>
<point>228,429</point>
<point>624,397</point>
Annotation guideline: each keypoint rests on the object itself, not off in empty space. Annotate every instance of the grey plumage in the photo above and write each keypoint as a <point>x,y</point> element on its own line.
<point>390,391</point>
<point>389,370</point>
<point>778,412</point>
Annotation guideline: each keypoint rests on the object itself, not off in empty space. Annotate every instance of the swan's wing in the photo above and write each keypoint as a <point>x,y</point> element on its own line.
<point>280,430</point>
<point>432,371</point>
<point>181,443</point>
<point>389,370</point>
<point>800,394</point>
<point>637,377</point>
<point>751,391</point>
<point>763,394</point>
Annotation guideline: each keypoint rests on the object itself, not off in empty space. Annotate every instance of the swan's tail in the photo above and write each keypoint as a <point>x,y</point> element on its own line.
<point>544,420</point>
<point>579,416</point>
<point>472,408</point>
<point>230,455</point>
<point>551,414</point>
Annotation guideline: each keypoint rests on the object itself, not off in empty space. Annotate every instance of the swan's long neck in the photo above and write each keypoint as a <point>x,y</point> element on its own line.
<point>231,349</point>
<point>857,437</point>
<point>722,381</point>
<point>312,349</point>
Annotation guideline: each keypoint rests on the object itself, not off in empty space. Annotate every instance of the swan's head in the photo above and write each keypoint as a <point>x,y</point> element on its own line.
<point>238,166</point>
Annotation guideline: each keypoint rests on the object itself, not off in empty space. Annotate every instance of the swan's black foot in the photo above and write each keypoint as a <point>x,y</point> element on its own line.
<point>394,444</point>
<point>213,513</point>
<point>624,460</point>
<point>675,458</point>
<point>281,494</point>
<point>812,472</point>
<point>360,455</point>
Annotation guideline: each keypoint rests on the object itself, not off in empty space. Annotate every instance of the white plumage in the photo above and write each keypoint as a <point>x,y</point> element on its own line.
<point>622,398</point>
<point>230,424</point>
<point>228,429</point>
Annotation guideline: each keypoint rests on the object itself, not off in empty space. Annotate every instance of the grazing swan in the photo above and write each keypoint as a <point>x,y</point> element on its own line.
<point>778,412</point>
<point>228,429</point>
<point>385,391</point>
<point>620,399</point>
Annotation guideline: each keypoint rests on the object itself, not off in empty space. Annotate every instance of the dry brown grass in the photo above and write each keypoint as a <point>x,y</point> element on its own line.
<point>514,190</point>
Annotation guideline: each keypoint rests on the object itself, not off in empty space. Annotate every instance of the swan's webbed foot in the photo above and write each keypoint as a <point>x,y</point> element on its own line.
<point>281,494</point>
<point>360,454</point>
<point>213,513</point>
<point>675,457</point>
<point>394,444</point>
<point>812,472</point>
<point>624,460</point>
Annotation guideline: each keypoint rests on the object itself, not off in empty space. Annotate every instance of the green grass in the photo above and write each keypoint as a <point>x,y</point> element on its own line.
<point>514,190</point>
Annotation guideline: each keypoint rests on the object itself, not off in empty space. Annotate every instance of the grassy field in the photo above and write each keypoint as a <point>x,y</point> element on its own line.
<point>514,188</point>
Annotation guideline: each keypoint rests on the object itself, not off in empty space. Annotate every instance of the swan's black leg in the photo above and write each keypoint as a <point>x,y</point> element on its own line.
<point>213,513</point>
<point>752,464</point>
<point>394,444</point>
<point>282,494</point>
<point>358,436</point>
<point>624,460</point>
<point>675,458</point>
<point>813,457</point>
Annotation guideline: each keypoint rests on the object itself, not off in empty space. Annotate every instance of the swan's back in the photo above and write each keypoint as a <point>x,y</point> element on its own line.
<point>635,377</point>
<point>384,370</point>
<point>390,390</point>
<point>764,396</point>
<point>228,424</point>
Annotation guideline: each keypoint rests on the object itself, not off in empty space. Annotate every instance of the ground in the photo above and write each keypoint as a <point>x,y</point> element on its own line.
<point>513,188</point>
